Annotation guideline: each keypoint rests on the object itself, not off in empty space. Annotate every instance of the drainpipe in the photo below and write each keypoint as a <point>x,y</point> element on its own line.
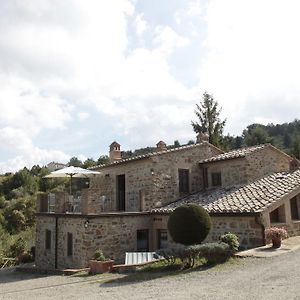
<point>56,240</point>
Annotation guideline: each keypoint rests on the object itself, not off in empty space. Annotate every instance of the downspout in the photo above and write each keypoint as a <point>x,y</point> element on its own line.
<point>56,240</point>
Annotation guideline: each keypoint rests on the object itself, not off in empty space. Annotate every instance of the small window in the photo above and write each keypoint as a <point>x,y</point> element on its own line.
<point>183,175</point>
<point>216,179</point>
<point>48,239</point>
<point>162,238</point>
<point>278,215</point>
<point>143,240</point>
<point>69,244</point>
<point>274,216</point>
<point>294,208</point>
<point>205,178</point>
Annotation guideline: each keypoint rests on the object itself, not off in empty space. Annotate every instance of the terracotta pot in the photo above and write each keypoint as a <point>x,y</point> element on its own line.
<point>276,242</point>
<point>99,267</point>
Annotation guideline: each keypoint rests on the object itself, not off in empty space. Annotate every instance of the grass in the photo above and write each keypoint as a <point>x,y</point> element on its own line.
<point>161,269</point>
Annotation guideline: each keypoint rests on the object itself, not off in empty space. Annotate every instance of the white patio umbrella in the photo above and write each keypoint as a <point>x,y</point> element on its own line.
<point>72,172</point>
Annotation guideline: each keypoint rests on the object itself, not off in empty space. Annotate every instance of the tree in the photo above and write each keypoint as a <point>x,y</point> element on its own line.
<point>255,134</point>
<point>103,159</point>
<point>75,162</point>
<point>189,224</point>
<point>209,122</point>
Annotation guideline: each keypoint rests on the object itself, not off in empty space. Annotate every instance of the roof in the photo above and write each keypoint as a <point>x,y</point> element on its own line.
<point>254,197</point>
<point>151,154</point>
<point>239,153</point>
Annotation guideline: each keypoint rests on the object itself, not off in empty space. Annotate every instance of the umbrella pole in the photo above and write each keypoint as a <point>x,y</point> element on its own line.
<point>71,185</point>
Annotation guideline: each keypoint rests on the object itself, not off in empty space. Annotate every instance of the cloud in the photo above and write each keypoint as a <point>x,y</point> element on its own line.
<point>141,24</point>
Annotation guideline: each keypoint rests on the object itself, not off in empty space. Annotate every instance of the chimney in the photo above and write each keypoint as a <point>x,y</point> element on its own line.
<point>202,137</point>
<point>161,146</point>
<point>114,151</point>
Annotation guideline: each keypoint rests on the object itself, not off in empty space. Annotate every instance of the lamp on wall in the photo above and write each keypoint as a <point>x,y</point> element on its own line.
<point>152,171</point>
<point>86,223</point>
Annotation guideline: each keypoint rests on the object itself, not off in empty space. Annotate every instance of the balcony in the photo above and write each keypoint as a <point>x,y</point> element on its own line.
<point>89,201</point>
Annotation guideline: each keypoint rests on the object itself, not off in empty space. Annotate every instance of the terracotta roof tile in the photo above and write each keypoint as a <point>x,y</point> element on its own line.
<point>150,154</point>
<point>242,152</point>
<point>250,198</point>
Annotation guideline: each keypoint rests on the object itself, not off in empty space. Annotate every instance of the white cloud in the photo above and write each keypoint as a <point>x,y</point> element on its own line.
<point>252,57</point>
<point>140,24</point>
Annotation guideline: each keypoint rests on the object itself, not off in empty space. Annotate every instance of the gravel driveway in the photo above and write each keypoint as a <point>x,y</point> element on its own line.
<point>250,278</point>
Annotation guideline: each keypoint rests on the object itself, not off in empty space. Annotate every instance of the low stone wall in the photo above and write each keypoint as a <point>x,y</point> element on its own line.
<point>248,230</point>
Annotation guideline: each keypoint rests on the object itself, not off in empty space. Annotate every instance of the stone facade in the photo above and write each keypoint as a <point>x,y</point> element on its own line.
<point>245,169</point>
<point>112,233</point>
<point>66,239</point>
<point>154,179</point>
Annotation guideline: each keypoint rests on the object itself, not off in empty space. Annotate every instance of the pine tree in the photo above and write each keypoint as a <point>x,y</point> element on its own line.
<point>209,122</point>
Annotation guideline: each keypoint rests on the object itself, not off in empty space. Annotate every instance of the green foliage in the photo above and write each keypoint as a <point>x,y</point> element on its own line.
<point>18,247</point>
<point>189,224</point>
<point>75,162</point>
<point>103,159</point>
<point>208,114</point>
<point>255,134</point>
<point>99,256</point>
<point>215,253</point>
<point>232,240</point>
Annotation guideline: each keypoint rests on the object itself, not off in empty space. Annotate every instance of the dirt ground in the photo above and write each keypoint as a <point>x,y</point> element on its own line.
<point>247,278</point>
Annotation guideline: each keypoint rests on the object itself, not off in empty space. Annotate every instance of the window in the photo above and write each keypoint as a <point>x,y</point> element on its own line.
<point>183,175</point>
<point>162,238</point>
<point>121,192</point>
<point>294,208</point>
<point>205,178</point>
<point>48,239</point>
<point>216,179</point>
<point>274,216</point>
<point>142,240</point>
<point>278,215</point>
<point>69,244</point>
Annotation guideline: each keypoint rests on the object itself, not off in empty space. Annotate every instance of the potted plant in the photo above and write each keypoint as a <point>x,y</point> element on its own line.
<point>100,264</point>
<point>276,235</point>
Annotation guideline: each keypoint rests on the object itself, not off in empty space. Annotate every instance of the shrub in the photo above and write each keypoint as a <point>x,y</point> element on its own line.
<point>215,253</point>
<point>275,232</point>
<point>189,224</point>
<point>17,247</point>
<point>99,256</point>
<point>25,257</point>
<point>232,240</point>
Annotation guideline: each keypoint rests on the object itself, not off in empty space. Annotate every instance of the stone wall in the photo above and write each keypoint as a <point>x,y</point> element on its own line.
<point>247,228</point>
<point>114,234</point>
<point>154,180</point>
<point>265,162</point>
<point>252,167</point>
<point>233,172</point>
<point>45,258</point>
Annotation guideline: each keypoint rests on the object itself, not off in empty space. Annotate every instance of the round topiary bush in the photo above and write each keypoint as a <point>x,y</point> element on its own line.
<point>189,224</point>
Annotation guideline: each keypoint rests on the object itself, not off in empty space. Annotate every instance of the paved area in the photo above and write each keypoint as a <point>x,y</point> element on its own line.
<point>290,244</point>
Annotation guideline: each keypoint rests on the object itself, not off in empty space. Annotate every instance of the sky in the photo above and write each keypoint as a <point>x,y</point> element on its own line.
<point>76,75</point>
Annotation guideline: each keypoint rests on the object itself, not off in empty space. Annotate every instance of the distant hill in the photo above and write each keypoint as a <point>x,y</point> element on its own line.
<point>284,136</point>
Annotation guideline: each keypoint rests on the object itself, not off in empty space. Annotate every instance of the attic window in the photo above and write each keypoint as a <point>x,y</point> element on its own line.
<point>183,175</point>
<point>294,208</point>
<point>216,179</point>
<point>278,215</point>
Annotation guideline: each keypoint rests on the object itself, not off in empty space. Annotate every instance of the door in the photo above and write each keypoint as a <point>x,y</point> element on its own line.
<point>121,192</point>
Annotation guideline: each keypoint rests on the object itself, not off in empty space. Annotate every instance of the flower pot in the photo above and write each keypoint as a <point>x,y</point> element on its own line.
<point>99,267</point>
<point>276,241</point>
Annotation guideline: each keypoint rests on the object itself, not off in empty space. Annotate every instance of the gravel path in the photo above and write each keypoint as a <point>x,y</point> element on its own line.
<point>251,278</point>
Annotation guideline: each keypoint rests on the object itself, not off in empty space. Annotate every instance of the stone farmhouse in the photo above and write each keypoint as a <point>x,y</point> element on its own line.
<point>126,208</point>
